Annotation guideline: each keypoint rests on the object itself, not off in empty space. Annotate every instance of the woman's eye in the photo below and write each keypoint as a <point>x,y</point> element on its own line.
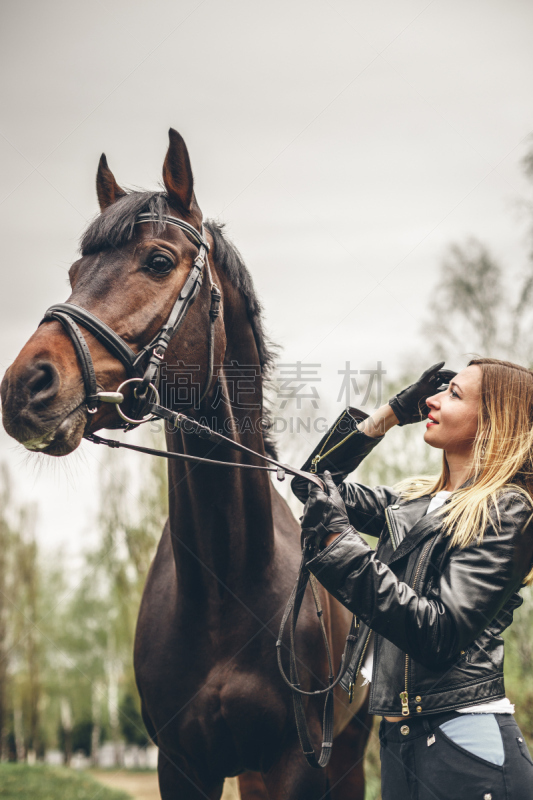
<point>160,264</point>
<point>454,393</point>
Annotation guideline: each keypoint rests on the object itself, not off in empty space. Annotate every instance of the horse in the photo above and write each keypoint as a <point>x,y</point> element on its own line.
<point>205,659</point>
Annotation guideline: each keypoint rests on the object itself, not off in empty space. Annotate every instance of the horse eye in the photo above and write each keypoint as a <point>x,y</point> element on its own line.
<point>160,264</point>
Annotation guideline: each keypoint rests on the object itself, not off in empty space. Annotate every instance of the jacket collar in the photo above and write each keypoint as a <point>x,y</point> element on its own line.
<point>426,526</point>
<point>412,524</point>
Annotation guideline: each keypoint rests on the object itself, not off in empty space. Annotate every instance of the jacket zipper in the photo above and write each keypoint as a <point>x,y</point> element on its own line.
<point>390,526</point>
<point>359,665</point>
<point>321,455</point>
<point>404,696</point>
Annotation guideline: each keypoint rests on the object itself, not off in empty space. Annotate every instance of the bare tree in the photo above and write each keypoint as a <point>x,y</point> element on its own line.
<point>470,309</point>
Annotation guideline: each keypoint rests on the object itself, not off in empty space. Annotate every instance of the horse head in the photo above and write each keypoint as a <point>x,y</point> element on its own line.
<point>129,277</point>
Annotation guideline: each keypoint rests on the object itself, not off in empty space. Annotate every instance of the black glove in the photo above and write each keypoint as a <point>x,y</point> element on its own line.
<point>410,405</point>
<point>324,513</point>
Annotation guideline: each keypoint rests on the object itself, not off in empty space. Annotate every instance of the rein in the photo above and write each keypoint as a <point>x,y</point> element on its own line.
<point>191,426</point>
<point>143,368</point>
<point>292,610</point>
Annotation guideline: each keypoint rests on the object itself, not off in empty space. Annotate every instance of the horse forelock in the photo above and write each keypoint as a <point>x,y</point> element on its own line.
<point>115,227</point>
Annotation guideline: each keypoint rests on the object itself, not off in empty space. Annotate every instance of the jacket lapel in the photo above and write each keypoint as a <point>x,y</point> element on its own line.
<point>403,517</point>
<point>414,525</point>
<point>425,527</point>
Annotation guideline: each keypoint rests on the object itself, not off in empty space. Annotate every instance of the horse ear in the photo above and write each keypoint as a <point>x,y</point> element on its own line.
<point>107,188</point>
<point>177,172</point>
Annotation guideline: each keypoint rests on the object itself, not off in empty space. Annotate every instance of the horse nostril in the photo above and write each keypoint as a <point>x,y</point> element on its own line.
<point>43,381</point>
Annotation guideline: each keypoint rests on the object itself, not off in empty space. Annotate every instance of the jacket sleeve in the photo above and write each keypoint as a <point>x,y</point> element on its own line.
<point>340,451</point>
<point>366,506</point>
<point>475,584</point>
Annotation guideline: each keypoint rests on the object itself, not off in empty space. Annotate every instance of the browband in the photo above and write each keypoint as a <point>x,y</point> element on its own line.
<point>178,223</point>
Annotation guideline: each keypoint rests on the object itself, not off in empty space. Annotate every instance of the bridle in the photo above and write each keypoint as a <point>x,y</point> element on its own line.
<point>143,368</point>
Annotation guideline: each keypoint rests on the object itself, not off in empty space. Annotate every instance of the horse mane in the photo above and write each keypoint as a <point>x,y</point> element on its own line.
<point>115,227</point>
<point>231,261</point>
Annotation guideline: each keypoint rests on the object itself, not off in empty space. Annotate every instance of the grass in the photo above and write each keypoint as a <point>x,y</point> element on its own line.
<point>21,782</point>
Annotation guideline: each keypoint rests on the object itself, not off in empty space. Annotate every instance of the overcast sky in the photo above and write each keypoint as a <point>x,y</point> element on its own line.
<point>345,144</point>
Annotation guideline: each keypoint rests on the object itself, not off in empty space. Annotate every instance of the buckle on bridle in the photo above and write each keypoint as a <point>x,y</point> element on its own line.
<point>216,299</point>
<point>158,354</point>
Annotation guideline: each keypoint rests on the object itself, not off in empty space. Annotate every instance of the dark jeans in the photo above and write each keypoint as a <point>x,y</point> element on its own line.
<point>419,762</point>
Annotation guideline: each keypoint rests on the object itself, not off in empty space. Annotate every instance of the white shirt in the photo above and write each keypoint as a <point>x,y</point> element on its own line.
<point>502,706</point>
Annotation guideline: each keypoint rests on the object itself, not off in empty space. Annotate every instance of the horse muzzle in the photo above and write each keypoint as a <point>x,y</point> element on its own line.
<point>37,413</point>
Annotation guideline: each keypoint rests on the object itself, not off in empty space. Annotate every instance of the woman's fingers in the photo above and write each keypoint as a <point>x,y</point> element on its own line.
<point>446,375</point>
<point>330,483</point>
<point>431,372</point>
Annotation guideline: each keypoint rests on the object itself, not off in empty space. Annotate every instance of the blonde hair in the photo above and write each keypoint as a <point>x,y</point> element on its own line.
<point>502,454</point>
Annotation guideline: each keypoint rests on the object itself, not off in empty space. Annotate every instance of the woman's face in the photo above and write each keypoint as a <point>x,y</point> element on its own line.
<point>453,413</point>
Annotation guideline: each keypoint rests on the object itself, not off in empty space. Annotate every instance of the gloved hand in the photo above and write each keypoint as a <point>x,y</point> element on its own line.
<point>410,404</point>
<point>324,513</point>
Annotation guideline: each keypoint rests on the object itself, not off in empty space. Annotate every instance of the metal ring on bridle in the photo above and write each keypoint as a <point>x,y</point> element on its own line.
<point>146,417</point>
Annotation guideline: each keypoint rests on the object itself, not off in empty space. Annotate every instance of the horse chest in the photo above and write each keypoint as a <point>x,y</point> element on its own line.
<point>230,716</point>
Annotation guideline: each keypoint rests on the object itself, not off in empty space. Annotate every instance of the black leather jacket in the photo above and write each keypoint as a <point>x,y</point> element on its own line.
<point>437,612</point>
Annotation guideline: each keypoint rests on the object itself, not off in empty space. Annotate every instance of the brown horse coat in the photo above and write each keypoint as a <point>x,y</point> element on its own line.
<point>205,659</point>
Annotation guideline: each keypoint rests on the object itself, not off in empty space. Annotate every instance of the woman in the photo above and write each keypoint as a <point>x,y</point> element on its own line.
<point>434,597</point>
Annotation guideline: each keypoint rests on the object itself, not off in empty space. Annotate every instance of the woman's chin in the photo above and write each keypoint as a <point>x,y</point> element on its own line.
<point>431,438</point>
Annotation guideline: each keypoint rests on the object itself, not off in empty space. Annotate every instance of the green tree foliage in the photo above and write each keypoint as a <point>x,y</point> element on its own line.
<point>479,307</point>
<point>7,538</point>
<point>29,592</point>
<point>98,621</point>
<point>30,646</point>
<point>132,516</point>
<point>66,640</point>
<point>80,736</point>
<point>131,722</point>
<point>21,604</point>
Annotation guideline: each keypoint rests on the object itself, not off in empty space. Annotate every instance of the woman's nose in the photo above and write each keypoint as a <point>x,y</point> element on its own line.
<point>433,401</point>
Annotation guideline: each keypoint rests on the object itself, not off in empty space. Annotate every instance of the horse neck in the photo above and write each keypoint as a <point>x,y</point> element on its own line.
<point>221,517</point>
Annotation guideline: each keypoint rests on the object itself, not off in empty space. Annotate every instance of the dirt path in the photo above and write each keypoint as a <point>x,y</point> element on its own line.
<point>143,785</point>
